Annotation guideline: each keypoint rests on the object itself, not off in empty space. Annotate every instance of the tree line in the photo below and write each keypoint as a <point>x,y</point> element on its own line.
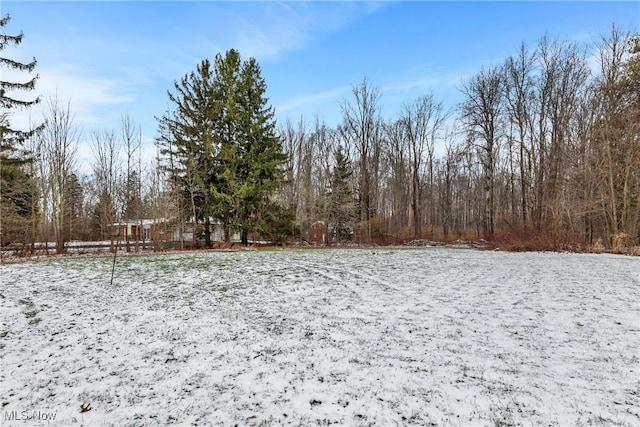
<point>543,152</point>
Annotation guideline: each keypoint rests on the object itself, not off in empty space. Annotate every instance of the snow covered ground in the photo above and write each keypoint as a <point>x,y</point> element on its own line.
<point>354,337</point>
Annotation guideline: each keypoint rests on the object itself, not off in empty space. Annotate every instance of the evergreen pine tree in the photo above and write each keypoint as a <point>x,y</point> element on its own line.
<point>188,134</point>
<point>341,212</point>
<point>261,150</point>
<point>223,137</point>
<point>74,201</point>
<point>17,189</point>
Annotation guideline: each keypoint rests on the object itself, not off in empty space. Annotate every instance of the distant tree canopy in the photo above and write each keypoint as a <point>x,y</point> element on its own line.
<point>220,145</point>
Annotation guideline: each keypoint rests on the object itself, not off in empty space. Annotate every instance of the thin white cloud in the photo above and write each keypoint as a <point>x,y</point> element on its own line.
<point>87,94</point>
<point>421,80</point>
<point>82,86</point>
<point>307,100</point>
<point>286,26</point>
<point>429,82</point>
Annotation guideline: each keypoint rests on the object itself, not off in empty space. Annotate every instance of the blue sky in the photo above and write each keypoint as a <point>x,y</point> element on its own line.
<point>108,58</point>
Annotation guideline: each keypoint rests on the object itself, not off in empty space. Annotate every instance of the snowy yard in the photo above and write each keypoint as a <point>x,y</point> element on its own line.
<point>354,337</point>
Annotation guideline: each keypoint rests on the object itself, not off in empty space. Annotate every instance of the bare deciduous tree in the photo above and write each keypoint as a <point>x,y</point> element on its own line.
<point>519,90</point>
<point>132,141</point>
<point>362,129</point>
<point>59,142</point>
<point>106,176</point>
<point>481,114</point>
<point>616,131</point>
<point>422,119</point>
<point>398,175</point>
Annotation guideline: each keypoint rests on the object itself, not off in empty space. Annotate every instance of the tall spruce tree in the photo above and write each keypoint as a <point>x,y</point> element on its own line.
<point>223,143</point>
<point>341,208</point>
<point>259,156</point>
<point>17,189</point>
<point>187,140</point>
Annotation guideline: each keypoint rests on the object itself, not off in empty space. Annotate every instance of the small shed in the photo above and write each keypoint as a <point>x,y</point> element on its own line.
<point>319,233</point>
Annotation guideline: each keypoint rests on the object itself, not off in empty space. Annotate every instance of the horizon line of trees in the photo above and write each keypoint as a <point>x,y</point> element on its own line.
<point>542,150</point>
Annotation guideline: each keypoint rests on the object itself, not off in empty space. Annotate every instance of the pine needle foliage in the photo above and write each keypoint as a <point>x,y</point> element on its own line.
<point>17,194</point>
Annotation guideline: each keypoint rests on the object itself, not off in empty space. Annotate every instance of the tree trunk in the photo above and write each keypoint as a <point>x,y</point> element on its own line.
<point>207,232</point>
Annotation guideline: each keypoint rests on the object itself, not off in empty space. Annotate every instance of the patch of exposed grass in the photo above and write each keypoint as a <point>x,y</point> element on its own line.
<point>30,314</point>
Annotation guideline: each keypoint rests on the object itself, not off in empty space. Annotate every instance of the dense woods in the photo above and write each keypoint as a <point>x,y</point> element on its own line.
<point>543,152</point>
